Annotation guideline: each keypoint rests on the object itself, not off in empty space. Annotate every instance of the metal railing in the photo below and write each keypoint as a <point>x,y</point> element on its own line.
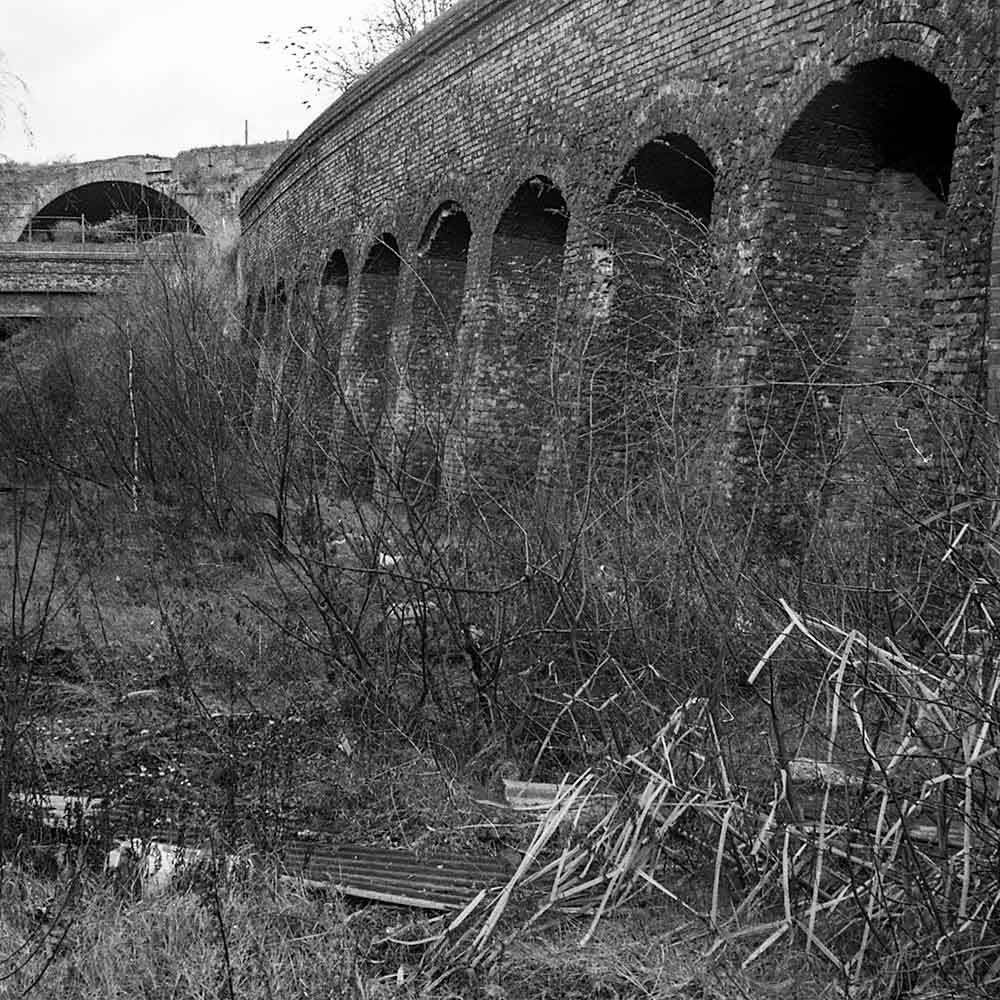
<point>76,229</point>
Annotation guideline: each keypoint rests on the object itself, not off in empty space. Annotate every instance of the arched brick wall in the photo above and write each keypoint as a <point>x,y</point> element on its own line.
<point>54,186</point>
<point>501,90</point>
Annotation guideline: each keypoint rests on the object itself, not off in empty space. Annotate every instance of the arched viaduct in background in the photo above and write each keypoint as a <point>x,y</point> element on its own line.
<point>448,219</point>
<point>58,238</point>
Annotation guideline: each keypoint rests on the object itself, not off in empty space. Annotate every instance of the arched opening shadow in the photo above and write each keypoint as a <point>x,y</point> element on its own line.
<point>512,396</point>
<point>645,360</point>
<point>426,405</point>
<point>368,375</point>
<point>850,253</point>
<point>109,212</point>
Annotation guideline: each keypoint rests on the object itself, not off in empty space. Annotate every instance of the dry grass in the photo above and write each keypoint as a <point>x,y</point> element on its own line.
<point>887,872</point>
<point>83,939</point>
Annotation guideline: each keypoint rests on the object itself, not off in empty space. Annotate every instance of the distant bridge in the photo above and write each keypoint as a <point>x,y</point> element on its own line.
<point>71,231</point>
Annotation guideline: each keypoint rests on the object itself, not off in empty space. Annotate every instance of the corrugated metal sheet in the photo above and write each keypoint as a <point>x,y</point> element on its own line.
<point>435,882</point>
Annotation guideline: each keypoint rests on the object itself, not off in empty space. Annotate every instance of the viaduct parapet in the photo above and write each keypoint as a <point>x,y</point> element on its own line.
<point>459,221</point>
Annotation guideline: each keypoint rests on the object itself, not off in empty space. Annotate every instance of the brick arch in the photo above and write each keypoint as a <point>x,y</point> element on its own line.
<point>705,116</point>
<point>366,358</point>
<point>329,327</point>
<point>372,222</point>
<point>872,231</point>
<point>428,350</point>
<point>696,116</point>
<point>646,305</point>
<point>255,313</point>
<point>512,334</point>
<point>71,181</point>
<point>857,40</point>
<point>467,193</point>
<point>333,279</point>
<point>511,179</point>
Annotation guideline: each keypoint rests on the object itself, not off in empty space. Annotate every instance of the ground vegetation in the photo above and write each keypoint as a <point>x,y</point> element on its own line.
<point>775,767</point>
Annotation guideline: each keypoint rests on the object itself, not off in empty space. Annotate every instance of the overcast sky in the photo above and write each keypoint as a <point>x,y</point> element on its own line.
<point>107,77</point>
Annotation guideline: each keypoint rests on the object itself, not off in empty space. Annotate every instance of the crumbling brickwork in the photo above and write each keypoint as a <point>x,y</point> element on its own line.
<point>851,148</point>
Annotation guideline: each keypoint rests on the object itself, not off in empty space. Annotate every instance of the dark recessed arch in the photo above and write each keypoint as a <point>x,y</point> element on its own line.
<point>447,233</point>
<point>336,270</point>
<point>255,315</point>
<point>651,268</point>
<point>886,114</point>
<point>851,249</point>
<point>109,212</point>
<point>334,283</point>
<point>537,214</point>
<point>332,317</point>
<point>426,402</point>
<point>526,263</point>
<point>673,169</point>
<point>367,376</point>
<point>383,256</point>
<point>277,312</point>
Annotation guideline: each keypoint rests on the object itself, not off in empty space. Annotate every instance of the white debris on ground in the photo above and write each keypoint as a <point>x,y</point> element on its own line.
<point>821,772</point>
<point>154,864</point>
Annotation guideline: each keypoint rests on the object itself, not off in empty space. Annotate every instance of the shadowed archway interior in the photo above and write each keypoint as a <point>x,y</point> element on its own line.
<point>109,212</point>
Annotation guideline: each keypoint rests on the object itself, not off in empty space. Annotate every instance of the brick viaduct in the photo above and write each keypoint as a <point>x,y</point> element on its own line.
<point>450,221</point>
<point>46,267</point>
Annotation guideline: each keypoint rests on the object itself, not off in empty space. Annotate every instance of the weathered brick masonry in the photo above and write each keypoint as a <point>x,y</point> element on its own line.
<point>842,152</point>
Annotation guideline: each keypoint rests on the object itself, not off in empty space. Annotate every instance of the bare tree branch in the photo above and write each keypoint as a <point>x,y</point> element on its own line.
<point>331,63</point>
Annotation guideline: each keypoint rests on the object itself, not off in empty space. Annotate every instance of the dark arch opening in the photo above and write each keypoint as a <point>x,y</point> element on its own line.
<point>425,407</point>
<point>851,251</point>
<point>335,270</point>
<point>673,170</point>
<point>267,329</point>
<point>109,212</point>
<point>651,276</point>
<point>512,401</point>
<point>331,318</point>
<point>887,114</point>
<point>255,316</point>
<point>332,308</point>
<point>536,215</point>
<point>447,234</point>
<point>368,375</point>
